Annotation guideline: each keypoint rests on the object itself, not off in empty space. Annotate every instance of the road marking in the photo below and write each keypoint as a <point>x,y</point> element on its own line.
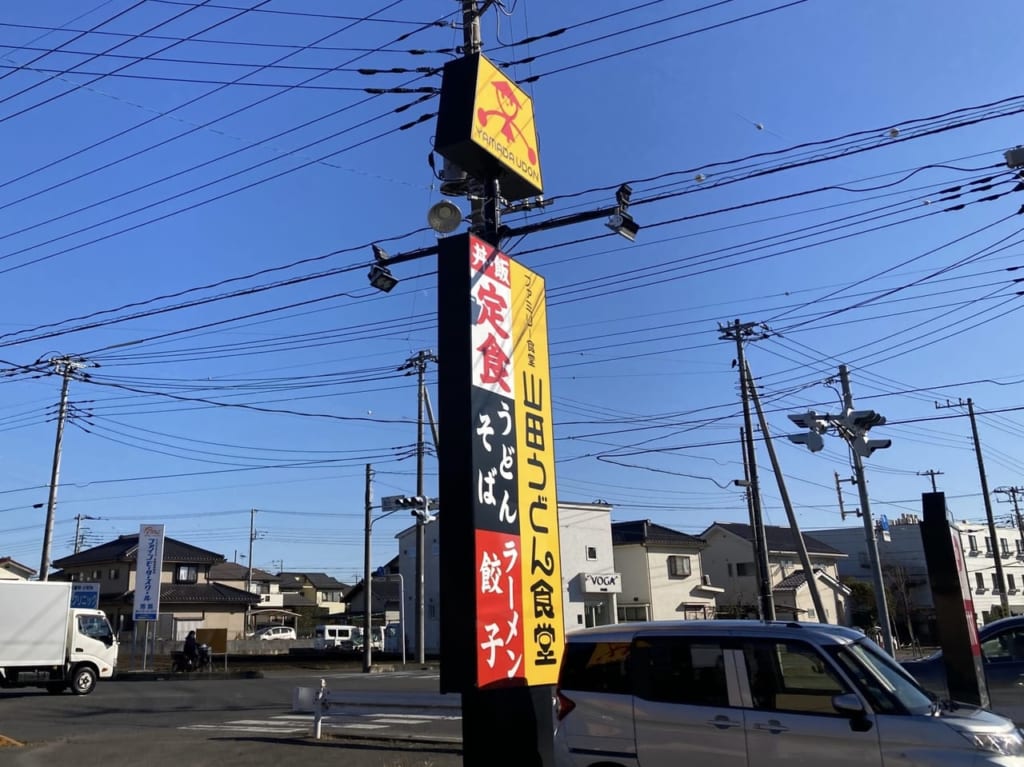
<point>297,723</point>
<point>355,726</point>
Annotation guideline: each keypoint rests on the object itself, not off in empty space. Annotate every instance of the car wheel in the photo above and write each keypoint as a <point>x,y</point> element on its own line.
<point>83,681</point>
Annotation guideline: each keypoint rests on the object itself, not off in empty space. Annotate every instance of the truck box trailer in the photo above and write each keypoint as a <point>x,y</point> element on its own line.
<point>44,642</point>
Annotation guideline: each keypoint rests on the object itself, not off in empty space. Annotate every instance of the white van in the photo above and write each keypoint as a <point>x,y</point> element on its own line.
<point>757,694</point>
<point>337,637</point>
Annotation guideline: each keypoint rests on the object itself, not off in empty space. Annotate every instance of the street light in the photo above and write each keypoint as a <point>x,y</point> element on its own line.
<point>380,276</point>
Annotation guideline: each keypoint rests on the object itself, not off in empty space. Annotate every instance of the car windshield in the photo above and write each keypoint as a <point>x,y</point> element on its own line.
<point>888,688</point>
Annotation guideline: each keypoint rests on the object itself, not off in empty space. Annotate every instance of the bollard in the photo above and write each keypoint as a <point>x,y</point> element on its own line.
<point>318,710</point>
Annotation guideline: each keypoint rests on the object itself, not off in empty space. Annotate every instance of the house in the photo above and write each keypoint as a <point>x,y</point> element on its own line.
<point>189,599</point>
<point>729,560</point>
<point>662,573</point>
<point>263,584</point>
<point>387,594</point>
<point>10,570</point>
<point>313,590</point>
<point>590,582</point>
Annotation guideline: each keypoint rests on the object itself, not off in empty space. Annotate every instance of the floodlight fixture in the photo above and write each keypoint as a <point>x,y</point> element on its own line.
<point>620,221</point>
<point>623,223</point>
<point>381,278</point>
<point>444,217</point>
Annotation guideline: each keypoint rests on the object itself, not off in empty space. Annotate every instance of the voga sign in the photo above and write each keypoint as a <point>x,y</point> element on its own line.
<point>602,582</point>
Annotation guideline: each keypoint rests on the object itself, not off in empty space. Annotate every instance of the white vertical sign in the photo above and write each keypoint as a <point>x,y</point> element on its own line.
<point>149,562</point>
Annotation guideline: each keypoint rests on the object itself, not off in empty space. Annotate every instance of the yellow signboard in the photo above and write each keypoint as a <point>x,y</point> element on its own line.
<point>485,125</point>
<point>503,123</point>
<point>543,626</point>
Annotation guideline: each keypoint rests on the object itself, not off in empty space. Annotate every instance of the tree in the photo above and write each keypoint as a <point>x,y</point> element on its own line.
<point>863,612</point>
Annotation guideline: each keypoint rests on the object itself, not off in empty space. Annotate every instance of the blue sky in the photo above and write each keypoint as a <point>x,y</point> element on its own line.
<point>821,168</point>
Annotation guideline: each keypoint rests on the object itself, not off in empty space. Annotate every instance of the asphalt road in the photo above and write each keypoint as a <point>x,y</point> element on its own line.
<point>375,720</point>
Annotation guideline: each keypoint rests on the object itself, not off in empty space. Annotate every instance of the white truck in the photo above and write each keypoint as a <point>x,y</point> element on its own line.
<point>45,642</point>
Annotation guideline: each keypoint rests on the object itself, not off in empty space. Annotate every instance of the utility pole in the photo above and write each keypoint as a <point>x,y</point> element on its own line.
<point>798,538</point>
<point>418,364</point>
<point>65,367</point>
<point>839,494</point>
<point>737,332</point>
<point>78,527</point>
<point>248,576</point>
<point>367,579</point>
<point>1004,598</point>
<point>869,528</point>
<point>931,474</point>
<point>1014,492</point>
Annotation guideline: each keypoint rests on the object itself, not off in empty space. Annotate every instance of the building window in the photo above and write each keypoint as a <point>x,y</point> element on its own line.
<point>979,578</point>
<point>995,584</point>
<point>744,569</point>
<point>633,613</point>
<point>1011,583</point>
<point>97,574</point>
<point>1020,546</point>
<point>678,566</point>
<point>972,542</point>
<point>988,546</point>
<point>186,574</point>
<point>591,553</point>
<point>113,574</point>
<point>1004,547</point>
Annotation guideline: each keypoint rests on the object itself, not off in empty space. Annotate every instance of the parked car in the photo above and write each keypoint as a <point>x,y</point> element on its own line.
<point>275,632</point>
<point>1002,656</point>
<point>338,637</point>
<point>757,694</point>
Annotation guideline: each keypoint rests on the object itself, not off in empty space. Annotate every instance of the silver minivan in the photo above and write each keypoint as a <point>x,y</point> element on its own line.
<point>757,694</point>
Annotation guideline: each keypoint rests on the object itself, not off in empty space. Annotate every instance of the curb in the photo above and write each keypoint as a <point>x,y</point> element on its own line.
<point>152,676</point>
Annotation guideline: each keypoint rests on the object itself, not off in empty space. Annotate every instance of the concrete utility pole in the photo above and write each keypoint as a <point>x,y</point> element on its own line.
<point>931,474</point>
<point>367,579</point>
<point>418,364</point>
<point>1014,493</point>
<point>1004,598</point>
<point>798,538</point>
<point>65,367</point>
<point>78,529</point>
<point>248,575</point>
<point>881,602</point>
<point>839,495</point>
<point>737,332</point>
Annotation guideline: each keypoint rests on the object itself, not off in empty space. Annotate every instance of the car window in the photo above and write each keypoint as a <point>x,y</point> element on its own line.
<point>791,676</point>
<point>680,670</point>
<point>595,667</point>
<point>1004,647</point>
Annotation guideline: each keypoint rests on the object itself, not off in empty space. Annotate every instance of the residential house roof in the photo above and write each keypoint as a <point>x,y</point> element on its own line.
<point>794,581</point>
<point>778,538</point>
<point>15,567</point>
<point>647,532</point>
<point>125,547</point>
<point>319,581</point>
<point>386,592</point>
<point>199,593</point>
<point>232,571</point>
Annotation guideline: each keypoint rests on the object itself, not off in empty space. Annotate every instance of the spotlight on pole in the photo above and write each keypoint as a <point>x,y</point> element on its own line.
<point>380,276</point>
<point>620,221</point>
<point>444,217</point>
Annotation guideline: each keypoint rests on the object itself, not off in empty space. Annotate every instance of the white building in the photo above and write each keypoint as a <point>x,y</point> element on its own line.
<point>906,573</point>
<point>590,584</point>
<point>11,570</point>
<point>662,575</point>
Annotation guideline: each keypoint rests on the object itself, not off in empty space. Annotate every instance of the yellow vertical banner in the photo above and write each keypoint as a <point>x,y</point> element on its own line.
<point>543,621</point>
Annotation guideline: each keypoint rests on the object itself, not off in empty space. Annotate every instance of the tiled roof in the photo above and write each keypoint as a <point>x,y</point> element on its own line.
<point>200,593</point>
<point>778,538</point>
<point>791,582</point>
<point>125,547</point>
<point>319,581</point>
<point>13,565</point>
<point>232,571</point>
<point>645,531</point>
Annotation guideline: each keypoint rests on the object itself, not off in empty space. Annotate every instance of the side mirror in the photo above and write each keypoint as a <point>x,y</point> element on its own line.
<point>848,704</point>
